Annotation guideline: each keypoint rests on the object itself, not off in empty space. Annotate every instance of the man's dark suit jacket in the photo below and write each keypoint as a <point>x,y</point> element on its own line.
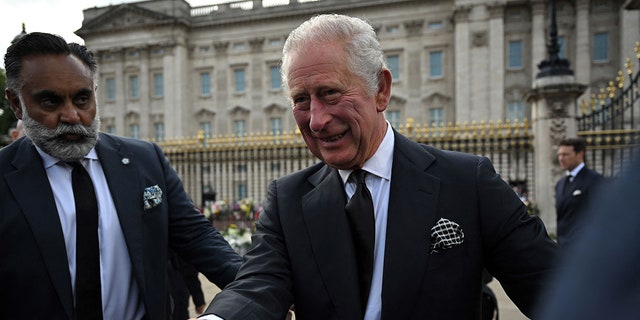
<point>572,202</point>
<point>302,252</point>
<point>34,274</point>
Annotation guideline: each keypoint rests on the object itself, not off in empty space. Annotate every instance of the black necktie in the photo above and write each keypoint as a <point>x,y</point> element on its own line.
<point>567,181</point>
<point>362,221</point>
<point>88,295</point>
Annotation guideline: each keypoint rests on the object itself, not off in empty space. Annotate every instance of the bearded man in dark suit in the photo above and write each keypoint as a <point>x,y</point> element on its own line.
<point>133,205</point>
<point>439,217</point>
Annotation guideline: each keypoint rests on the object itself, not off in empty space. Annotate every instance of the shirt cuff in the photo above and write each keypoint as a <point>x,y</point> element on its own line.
<point>209,317</point>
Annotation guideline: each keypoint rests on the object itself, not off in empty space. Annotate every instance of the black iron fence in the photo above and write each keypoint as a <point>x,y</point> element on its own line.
<point>610,121</point>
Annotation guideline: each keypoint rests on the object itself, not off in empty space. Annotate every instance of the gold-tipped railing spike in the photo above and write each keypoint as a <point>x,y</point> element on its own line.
<point>583,106</point>
<point>602,96</point>
<point>409,125</point>
<point>594,101</point>
<point>620,79</point>
<point>612,90</point>
<point>628,65</point>
<point>637,50</point>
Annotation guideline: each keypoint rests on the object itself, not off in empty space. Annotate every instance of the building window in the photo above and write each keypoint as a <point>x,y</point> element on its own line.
<point>515,54</point>
<point>435,25</point>
<point>240,128</point>
<point>393,62</point>
<point>435,64</point>
<point>601,47</point>
<point>276,126</point>
<point>436,117</point>
<point>275,42</point>
<point>159,131</point>
<point>393,29</point>
<point>158,85</point>
<point>205,84</point>
<point>239,80</point>
<point>515,111</point>
<point>205,126</point>
<point>134,131</point>
<point>111,89</point>
<point>276,80</point>
<point>133,87</point>
<point>394,118</point>
<point>562,46</point>
<point>241,190</point>
<point>111,129</point>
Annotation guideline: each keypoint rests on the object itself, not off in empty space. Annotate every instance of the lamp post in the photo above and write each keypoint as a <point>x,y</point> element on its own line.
<point>554,65</point>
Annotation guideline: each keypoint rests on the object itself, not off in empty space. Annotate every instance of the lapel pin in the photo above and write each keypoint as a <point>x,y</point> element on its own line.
<point>125,160</point>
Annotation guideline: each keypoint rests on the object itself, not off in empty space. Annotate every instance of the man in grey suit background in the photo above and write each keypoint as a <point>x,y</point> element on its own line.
<point>103,254</point>
<point>575,190</point>
<point>439,217</point>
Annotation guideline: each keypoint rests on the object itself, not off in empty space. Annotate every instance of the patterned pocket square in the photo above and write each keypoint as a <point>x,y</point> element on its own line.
<point>152,197</point>
<point>445,234</point>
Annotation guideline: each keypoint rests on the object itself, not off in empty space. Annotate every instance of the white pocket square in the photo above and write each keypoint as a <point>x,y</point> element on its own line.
<point>577,192</point>
<point>152,197</point>
<point>445,234</point>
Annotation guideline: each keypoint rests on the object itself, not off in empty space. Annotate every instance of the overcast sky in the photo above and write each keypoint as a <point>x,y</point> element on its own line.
<point>61,17</point>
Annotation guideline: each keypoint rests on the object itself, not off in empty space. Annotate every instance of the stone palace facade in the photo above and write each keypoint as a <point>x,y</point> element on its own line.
<point>167,69</point>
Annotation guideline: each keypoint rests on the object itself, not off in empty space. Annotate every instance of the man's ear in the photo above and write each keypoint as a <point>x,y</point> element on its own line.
<point>14,102</point>
<point>384,90</point>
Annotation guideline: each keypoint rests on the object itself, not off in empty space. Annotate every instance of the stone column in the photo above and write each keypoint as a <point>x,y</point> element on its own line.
<point>554,103</point>
<point>496,61</point>
<point>462,62</point>
<point>537,34</point>
<point>583,43</point>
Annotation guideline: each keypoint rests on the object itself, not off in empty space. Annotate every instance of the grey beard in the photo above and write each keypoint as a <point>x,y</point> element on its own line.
<point>52,141</point>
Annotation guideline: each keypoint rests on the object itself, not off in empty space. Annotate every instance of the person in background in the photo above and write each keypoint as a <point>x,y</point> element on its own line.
<point>574,190</point>
<point>383,227</point>
<point>87,218</point>
<point>598,277</point>
<point>184,282</point>
<point>17,132</point>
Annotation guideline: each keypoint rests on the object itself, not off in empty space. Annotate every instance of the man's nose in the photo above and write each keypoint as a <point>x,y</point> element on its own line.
<point>320,115</point>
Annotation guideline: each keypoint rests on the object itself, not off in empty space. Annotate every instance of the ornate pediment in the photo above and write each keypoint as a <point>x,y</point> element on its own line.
<point>395,100</point>
<point>124,16</point>
<point>205,114</point>
<point>436,98</point>
<point>275,108</point>
<point>239,111</point>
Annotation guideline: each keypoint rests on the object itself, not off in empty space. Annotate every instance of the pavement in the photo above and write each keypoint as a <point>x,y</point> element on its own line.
<point>508,310</point>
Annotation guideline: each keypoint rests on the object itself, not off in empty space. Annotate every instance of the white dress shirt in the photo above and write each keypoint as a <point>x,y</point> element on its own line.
<point>573,173</point>
<point>120,293</point>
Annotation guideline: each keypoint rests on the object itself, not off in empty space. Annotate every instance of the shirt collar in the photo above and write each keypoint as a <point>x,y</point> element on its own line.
<point>380,163</point>
<point>576,170</point>
<point>50,160</point>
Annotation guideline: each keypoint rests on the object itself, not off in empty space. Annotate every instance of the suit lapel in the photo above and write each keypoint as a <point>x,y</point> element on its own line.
<point>413,202</point>
<point>124,185</point>
<point>29,184</point>
<point>329,234</point>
